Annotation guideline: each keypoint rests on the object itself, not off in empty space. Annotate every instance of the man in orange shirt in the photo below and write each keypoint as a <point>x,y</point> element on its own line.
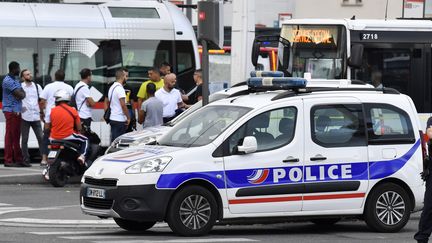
<point>65,123</point>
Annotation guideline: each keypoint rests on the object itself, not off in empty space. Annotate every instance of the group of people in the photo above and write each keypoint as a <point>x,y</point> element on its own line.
<point>26,104</point>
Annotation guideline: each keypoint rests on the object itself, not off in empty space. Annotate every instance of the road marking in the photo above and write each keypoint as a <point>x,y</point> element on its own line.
<point>186,240</point>
<point>74,232</point>
<point>58,221</point>
<point>5,210</point>
<point>5,204</point>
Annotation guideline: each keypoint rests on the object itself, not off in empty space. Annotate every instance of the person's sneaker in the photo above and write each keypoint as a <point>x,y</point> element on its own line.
<point>81,159</point>
<point>43,163</point>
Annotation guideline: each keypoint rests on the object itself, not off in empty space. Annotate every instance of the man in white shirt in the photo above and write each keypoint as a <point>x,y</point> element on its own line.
<point>83,100</point>
<point>170,97</point>
<point>49,100</point>
<point>30,113</point>
<point>119,118</point>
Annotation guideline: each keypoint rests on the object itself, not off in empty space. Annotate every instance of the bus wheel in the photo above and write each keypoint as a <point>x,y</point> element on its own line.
<point>388,208</point>
<point>130,225</point>
<point>192,211</point>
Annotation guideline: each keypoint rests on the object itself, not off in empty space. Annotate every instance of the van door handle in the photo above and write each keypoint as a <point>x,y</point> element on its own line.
<point>318,157</point>
<point>290,159</point>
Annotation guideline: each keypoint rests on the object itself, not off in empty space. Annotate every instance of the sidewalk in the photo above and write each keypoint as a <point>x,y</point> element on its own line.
<point>26,175</point>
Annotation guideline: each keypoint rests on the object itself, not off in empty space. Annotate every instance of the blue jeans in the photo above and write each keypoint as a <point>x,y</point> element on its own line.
<point>117,129</point>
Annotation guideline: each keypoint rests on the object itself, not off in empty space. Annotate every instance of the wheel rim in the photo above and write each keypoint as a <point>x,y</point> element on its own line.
<point>195,212</point>
<point>390,208</point>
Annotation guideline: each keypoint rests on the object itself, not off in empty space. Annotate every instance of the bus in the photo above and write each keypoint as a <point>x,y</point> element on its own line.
<point>399,49</point>
<point>103,37</point>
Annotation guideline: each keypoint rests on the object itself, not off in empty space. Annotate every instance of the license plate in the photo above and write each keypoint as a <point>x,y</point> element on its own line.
<point>52,154</point>
<point>96,193</point>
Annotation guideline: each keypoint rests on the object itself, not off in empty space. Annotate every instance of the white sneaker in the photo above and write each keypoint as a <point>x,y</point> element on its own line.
<point>45,174</point>
<point>43,163</point>
<point>81,159</point>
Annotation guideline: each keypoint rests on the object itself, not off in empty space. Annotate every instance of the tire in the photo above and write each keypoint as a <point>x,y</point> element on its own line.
<point>57,177</point>
<point>130,225</point>
<point>325,222</point>
<point>192,211</point>
<point>388,208</point>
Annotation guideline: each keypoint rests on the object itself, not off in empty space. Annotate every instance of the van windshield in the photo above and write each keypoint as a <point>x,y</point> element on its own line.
<point>203,126</point>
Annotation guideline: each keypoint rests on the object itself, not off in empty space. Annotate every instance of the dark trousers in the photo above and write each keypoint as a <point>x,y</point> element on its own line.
<point>45,141</point>
<point>117,129</point>
<point>25,131</point>
<point>86,121</point>
<point>425,223</point>
<point>12,150</point>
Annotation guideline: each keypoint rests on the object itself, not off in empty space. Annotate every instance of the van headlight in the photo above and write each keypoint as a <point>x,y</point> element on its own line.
<point>148,166</point>
<point>143,141</point>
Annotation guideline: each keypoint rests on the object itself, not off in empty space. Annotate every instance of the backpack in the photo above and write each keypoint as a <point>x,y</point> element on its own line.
<point>73,102</point>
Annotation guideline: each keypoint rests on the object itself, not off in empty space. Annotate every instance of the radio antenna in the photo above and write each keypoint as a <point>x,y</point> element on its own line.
<point>386,9</point>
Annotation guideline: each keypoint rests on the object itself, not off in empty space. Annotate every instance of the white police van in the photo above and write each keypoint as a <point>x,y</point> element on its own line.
<point>314,153</point>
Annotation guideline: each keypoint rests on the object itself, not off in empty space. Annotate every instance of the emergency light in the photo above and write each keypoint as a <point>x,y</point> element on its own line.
<point>266,74</point>
<point>276,83</point>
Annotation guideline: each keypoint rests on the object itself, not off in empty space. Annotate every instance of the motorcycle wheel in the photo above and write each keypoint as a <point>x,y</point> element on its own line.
<point>57,176</point>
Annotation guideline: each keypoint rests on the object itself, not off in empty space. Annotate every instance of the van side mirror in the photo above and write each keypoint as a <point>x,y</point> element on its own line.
<point>356,58</point>
<point>249,145</point>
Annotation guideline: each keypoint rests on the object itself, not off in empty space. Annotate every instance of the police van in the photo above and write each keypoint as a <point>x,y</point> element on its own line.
<point>282,151</point>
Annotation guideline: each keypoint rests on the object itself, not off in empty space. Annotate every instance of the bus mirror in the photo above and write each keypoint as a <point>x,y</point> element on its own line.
<point>356,58</point>
<point>255,52</point>
<point>285,56</point>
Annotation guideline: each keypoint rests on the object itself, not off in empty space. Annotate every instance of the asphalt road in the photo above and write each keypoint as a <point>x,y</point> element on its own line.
<point>41,213</point>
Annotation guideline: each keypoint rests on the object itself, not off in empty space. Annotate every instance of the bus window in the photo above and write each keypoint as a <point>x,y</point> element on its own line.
<point>20,50</point>
<point>318,50</point>
<point>394,64</point>
<point>184,56</point>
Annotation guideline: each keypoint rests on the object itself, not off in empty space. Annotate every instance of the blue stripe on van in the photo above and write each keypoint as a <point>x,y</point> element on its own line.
<point>315,173</point>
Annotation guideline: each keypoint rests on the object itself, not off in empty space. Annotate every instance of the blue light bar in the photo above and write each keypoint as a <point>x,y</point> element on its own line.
<point>266,74</point>
<point>276,83</point>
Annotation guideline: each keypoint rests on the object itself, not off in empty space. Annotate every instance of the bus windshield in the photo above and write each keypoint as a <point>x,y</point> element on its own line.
<point>318,50</point>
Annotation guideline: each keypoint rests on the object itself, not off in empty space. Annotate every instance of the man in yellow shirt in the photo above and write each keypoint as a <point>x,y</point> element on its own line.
<point>154,77</point>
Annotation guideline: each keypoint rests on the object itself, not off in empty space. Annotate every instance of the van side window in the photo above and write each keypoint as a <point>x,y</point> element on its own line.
<point>272,129</point>
<point>388,124</point>
<point>338,125</point>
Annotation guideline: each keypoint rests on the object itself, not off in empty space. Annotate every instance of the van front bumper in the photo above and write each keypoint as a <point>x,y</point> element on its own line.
<point>136,203</point>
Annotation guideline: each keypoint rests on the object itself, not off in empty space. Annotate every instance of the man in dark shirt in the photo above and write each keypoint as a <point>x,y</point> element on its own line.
<point>425,223</point>
<point>197,95</point>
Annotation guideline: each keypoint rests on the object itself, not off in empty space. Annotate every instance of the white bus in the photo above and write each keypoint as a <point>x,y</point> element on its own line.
<point>399,49</point>
<point>103,37</point>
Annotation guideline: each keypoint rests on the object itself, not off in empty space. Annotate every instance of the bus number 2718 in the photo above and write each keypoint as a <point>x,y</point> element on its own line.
<point>369,36</point>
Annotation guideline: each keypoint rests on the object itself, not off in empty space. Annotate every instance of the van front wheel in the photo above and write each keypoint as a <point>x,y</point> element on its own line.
<point>192,212</point>
<point>388,208</point>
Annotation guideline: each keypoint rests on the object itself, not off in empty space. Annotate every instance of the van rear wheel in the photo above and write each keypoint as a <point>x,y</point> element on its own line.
<point>388,208</point>
<point>192,212</point>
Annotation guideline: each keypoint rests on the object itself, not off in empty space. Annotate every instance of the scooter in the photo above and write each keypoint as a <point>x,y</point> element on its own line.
<point>63,155</point>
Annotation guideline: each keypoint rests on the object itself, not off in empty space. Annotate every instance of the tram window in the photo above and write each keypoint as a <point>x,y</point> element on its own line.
<point>19,50</point>
<point>184,56</point>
